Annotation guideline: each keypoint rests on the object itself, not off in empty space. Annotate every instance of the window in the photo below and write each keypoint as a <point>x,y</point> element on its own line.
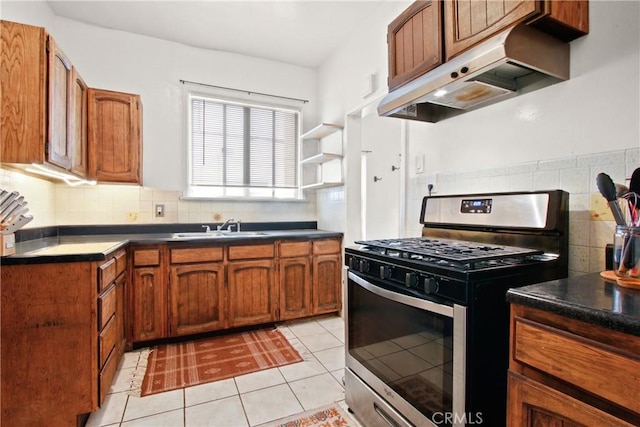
<point>242,150</point>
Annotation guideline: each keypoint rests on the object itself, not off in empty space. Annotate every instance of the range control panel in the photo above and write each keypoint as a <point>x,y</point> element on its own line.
<point>481,206</point>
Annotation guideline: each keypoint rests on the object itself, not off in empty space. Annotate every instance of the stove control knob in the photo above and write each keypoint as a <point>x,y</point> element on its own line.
<point>363,266</point>
<point>352,262</point>
<point>410,280</point>
<point>431,285</point>
<point>385,272</point>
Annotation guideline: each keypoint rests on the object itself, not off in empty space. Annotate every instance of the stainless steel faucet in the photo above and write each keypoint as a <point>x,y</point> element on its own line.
<point>228,224</point>
<point>207,229</point>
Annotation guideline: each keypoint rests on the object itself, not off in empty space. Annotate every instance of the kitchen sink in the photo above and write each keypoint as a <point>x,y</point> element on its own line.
<point>215,234</point>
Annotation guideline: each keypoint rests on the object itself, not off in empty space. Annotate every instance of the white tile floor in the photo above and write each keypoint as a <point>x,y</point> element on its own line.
<point>243,401</point>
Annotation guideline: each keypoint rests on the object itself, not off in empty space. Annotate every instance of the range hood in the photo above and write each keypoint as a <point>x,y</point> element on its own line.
<point>515,61</point>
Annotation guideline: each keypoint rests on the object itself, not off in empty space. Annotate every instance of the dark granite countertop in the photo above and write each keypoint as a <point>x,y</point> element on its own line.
<point>588,298</point>
<point>75,244</point>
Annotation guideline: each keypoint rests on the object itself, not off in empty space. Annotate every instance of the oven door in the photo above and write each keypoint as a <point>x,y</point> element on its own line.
<point>407,351</point>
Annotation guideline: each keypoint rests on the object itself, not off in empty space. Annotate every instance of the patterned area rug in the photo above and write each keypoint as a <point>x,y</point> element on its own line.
<point>174,366</point>
<point>327,416</point>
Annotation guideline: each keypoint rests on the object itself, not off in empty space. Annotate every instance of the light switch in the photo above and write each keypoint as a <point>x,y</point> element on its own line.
<point>419,163</point>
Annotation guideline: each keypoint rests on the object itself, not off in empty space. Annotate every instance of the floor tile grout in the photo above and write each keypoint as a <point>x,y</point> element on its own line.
<point>303,328</point>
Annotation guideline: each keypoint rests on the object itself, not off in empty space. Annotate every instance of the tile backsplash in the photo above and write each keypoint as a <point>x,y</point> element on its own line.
<point>59,204</point>
<point>591,225</point>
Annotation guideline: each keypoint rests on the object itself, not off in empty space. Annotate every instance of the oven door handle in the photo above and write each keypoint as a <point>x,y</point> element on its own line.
<point>433,307</point>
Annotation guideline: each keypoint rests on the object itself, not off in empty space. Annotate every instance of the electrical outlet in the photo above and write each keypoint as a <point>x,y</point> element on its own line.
<point>159,211</point>
<point>132,216</point>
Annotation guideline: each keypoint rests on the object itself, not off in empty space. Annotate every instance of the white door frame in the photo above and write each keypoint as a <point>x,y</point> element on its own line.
<point>356,214</point>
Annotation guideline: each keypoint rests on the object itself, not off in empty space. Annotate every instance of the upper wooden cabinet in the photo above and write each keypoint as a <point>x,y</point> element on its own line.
<point>115,136</point>
<point>431,32</point>
<point>59,149</point>
<point>37,106</point>
<point>49,116</point>
<point>470,22</point>
<point>78,123</point>
<point>415,42</point>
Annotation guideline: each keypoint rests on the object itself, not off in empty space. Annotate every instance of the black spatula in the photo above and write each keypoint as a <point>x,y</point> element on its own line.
<point>634,187</point>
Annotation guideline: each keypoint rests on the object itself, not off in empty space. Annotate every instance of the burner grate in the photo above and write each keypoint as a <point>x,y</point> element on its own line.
<point>457,251</point>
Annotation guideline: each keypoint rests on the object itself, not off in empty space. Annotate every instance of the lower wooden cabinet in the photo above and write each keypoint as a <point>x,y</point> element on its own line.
<point>565,372</point>
<point>148,294</point>
<point>252,292</point>
<point>295,279</point>
<point>61,339</point>
<point>184,289</point>
<point>534,404</point>
<point>196,298</point>
<point>326,277</point>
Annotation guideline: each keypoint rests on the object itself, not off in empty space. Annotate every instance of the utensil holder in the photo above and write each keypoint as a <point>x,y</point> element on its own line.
<point>8,242</point>
<point>626,251</point>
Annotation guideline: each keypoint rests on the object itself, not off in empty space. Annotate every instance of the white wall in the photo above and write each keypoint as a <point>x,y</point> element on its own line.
<point>596,110</point>
<point>557,137</point>
<point>151,67</point>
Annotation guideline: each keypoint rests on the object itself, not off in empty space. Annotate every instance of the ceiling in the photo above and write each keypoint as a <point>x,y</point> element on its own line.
<point>299,32</point>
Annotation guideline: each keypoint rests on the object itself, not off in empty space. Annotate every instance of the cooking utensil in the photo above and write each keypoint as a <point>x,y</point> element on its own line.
<point>9,198</point>
<point>18,224</point>
<point>22,209</point>
<point>634,186</point>
<point>621,190</point>
<point>608,190</point>
<point>11,208</point>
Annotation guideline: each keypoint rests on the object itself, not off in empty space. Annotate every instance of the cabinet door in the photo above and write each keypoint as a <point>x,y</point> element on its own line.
<point>196,298</point>
<point>295,288</point>
<point>23,93</point>
<point>327,273</point>
<point>59,149</point>
<point>121,321</point>
<point>252,292</point>
<point>469,22</point>
<point>78,123</point>
<point>148,304</point>
<point>531,403</point>
<point>414,42</point>
<point>114,126</point>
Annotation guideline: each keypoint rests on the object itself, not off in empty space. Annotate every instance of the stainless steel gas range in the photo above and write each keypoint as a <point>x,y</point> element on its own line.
<point>427,321</point>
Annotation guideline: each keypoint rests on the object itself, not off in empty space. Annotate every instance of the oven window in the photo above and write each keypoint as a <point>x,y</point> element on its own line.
<point>409,349</point>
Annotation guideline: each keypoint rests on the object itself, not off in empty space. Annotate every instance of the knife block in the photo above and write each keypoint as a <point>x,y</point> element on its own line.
<point>8,242</point>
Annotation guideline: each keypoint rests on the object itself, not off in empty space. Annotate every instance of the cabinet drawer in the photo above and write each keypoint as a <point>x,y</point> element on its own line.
<point>326,247</point>
<point>107,273</point>
<point>107,374</point>
<point>597,368</point>
<point>146,257</point>
<point>106,307</point>
<point>188,255</point>
<point>251,252</point>
<point>294,249</point>
<point>107,341</point>
<point>121,262</point>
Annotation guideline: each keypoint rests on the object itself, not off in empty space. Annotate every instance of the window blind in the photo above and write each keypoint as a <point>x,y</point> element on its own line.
<point>236,145</point>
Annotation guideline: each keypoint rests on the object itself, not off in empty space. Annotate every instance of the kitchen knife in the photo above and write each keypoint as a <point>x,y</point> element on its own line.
<point>7,200</point>
<point>18,224</point>
<point>9,209</point>
<point>608,190</point>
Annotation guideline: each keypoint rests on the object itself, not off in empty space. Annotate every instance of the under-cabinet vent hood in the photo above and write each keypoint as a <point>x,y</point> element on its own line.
<point>518,60</point>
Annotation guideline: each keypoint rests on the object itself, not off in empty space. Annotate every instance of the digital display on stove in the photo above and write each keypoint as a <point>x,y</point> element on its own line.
<point>473,206</point>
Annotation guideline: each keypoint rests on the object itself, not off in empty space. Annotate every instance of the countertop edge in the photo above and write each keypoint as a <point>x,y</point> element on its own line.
<point>543,296</point>
<point>23,249</point>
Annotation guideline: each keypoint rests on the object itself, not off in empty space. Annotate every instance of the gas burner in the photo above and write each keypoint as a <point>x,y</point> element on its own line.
<point>444,251</point>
